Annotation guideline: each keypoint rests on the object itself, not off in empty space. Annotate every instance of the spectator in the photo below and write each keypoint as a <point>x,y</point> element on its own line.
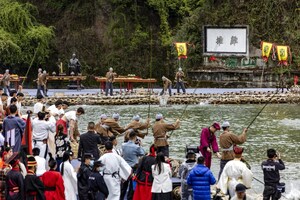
<point>162,183</point>
<point>131,153</point>
<point>13,129</point>
<point>201,178</point>
<point>41,162</point>
<point>69,176</point>
<point>271,169</point>
<point>184,171</point>
<point>53,182</point>
<point>144,176</point>
<point>240,191</point>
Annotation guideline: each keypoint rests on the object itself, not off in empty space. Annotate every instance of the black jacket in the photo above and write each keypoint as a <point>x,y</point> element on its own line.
<point>97,187</point>
<point>271,171</point>
<point>89,144</point>
<point>82,181</point>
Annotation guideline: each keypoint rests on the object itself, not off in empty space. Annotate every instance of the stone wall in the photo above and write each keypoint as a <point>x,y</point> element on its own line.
<point>234,78</point>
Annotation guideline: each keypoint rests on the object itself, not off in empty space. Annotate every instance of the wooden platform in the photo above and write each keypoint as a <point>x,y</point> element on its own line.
<point>128,80</point>
<point>77,79</point>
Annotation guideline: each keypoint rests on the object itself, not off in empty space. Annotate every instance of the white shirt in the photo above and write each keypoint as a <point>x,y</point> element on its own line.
<point>41,165</point>
<point>38,107</point>
<point>162,182</point>
<point>71,115</point>
<point>40,129</point>
<point>53,110</point>
<point>19,106</point>
<point>70,181</point>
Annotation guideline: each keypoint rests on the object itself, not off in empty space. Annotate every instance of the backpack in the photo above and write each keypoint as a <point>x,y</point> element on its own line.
<point>186,171</point>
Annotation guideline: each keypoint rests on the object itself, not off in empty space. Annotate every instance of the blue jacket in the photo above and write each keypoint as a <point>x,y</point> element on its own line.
<point>200,178</point>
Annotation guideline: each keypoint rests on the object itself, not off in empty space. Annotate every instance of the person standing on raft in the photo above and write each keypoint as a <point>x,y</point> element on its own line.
<point>208,143</point>
<point>227,141</point>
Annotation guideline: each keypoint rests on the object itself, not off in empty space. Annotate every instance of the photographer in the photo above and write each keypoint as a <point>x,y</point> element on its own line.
<point>271,167</point>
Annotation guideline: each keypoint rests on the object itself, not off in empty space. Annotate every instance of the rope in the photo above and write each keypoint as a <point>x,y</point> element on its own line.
<point>35,52</point>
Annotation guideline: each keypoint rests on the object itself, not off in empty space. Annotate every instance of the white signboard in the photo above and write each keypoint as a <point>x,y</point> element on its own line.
<point>225,41</point>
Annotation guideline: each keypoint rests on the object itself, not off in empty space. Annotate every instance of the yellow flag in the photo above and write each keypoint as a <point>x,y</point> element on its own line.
<point>282,53</point>
<point>181,50</point>
<point>266,48</point>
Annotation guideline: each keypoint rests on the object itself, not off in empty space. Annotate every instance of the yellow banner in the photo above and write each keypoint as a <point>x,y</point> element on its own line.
<point>282,53</point>
<point>266,49</point>
<point>181,50</point>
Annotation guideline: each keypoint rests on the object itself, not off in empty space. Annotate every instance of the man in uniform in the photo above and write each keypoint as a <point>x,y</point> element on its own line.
<point>83,174</point>
<point>208,143</point>
<point>227,141</point>
<point>160,129</point>
<point>137,126</point>
<point>110,76</point>
<point>179,80</point>
<point>271,169</point>
<point>235,172</point>
<point>167,85</point>
<point>6,82</point>
<point>34,187</point>
<point>74,65</point>
<point>97,186</point>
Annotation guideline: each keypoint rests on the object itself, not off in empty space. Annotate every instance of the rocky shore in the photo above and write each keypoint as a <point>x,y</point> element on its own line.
<point>154,99</point>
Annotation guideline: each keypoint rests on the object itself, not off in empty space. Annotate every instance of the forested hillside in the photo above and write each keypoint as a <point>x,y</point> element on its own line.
<point>134,35</point>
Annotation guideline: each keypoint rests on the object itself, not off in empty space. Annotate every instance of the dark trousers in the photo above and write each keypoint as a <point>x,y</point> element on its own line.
<point>164,150</point>
<point>222,165</point>
<point>124,188</point>
<point>7,90</point>
<point>179,85</point>
<point>41,90</point>
<point>170,91</point>
<point>109,86</point>
<point>271,192</point>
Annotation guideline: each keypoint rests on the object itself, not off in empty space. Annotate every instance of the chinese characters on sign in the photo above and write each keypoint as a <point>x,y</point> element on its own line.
<point>219,40</point>
<point>233,41</point>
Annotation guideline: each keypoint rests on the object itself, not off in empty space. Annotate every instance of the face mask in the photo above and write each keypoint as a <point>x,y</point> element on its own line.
<point>92,163</point>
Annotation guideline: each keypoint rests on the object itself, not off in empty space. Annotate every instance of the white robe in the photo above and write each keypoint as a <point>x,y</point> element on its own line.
<point>233,173</point>
<point>70,181</point>
<point>114,163</point>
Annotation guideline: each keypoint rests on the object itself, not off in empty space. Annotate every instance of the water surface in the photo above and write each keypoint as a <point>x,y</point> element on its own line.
<point>278,127</point>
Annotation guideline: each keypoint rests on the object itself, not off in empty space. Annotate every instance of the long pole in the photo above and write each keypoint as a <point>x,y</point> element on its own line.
<point>184,111</point>
<point>149,102</point>
<point>262,109</point>
<point>35,52</point>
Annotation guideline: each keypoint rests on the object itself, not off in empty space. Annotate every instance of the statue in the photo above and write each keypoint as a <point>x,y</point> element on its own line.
<point>74,65</point>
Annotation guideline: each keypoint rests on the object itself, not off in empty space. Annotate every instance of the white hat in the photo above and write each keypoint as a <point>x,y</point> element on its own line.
<point>136,118</point>
<point>163,77</point>
<point>7,70</point>
<point>116,116</point>
<point>103,116</point>
<point>180,69</point>
<point>159,116</point>
<point>111,69</point>
<point>225,124</point>
<point>40,70</point>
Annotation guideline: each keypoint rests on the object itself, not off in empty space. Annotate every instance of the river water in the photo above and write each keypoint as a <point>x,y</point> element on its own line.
<point>278,127</point>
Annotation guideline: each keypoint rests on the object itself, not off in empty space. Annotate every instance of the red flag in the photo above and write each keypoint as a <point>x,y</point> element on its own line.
<point>27,136</point>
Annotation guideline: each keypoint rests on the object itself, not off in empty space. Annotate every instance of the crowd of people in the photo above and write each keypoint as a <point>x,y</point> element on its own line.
<point>109,172</point>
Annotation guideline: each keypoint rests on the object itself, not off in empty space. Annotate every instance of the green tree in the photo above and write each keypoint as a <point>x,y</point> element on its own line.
<point>21,35</point>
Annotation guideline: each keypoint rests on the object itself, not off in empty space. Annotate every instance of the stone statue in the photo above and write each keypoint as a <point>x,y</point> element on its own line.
<point>74,66</point>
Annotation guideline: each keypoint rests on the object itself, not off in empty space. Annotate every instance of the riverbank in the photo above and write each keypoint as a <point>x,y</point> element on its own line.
<point>193,96</point>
